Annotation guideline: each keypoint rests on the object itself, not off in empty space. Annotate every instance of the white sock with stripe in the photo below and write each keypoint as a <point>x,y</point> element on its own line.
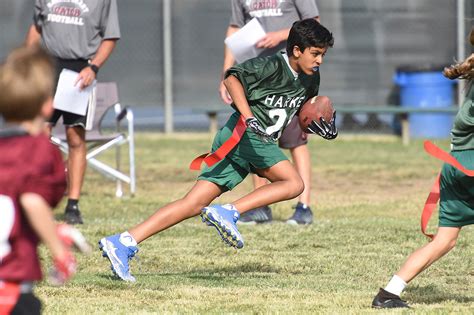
<point>127,239</point>
<point>396,285</point>
<point>229,207</point>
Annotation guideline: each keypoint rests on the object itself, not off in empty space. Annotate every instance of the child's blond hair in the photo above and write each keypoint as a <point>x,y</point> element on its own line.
<point>26,82</point>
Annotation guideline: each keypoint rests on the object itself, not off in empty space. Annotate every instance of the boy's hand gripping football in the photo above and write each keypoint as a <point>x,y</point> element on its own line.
<point>326,130</point>
<point>256,128</point>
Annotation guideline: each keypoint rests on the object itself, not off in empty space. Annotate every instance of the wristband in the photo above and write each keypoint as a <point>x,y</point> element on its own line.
<point>94,68</point>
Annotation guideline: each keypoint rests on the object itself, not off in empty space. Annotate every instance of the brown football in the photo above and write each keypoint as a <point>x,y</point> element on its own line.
<point>314,109</point>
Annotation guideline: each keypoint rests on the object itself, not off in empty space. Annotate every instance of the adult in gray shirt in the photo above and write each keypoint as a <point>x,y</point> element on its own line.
<point>276,18</point>
<point>80,35</point>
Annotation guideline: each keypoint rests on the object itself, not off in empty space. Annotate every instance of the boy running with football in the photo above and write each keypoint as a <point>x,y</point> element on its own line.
<point>32,181</point>
<point>267,93</point>
<point>456,207</point>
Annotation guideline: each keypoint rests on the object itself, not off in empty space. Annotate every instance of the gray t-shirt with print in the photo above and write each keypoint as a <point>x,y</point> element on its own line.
<point>273,15</point>
<point>74,29</point>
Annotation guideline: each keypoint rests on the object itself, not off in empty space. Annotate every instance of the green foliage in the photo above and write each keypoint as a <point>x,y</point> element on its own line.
<point>367,197</point>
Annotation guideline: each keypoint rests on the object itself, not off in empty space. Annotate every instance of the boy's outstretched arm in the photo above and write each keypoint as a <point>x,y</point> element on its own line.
<point>40,217</point>
<point>236,91</point>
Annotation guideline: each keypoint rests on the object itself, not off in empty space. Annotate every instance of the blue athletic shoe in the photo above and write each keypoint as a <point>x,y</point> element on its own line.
<point>224,219</point>
<point>303,215</point>
<point>118,255</point>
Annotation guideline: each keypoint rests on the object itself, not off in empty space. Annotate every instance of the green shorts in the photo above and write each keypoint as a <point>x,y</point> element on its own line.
<point>249,155</point>
<point>456,205</point>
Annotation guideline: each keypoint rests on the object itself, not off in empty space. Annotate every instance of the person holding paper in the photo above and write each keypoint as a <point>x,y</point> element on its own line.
<point>80,36</point>
<point>276,18</point>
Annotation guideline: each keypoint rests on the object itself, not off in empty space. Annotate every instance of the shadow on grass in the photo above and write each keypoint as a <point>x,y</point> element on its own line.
<point>431,295</point>
<point>253,270</point>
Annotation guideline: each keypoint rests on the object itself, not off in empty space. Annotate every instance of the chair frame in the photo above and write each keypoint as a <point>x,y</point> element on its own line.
<point>96,147</point>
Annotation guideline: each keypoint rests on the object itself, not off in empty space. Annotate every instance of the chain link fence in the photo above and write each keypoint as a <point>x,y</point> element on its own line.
<point>372,39</point>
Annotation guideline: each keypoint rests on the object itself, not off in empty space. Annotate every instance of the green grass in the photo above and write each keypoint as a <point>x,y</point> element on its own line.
<point>367,196</point>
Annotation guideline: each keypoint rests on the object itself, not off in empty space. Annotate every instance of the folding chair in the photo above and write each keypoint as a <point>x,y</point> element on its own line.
<point>106,96</point>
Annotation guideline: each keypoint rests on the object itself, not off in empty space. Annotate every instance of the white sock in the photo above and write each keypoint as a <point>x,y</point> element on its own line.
<point>127,239</point>
<point>396,285</point>
<point>229,206</point>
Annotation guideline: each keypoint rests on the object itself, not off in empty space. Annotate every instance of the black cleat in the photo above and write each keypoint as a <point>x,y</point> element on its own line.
<point>256,216</point>
<point>72,215</point>
<point>385,299</point>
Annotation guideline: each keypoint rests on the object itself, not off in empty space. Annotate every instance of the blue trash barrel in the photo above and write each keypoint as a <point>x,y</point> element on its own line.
<point>424,88</point>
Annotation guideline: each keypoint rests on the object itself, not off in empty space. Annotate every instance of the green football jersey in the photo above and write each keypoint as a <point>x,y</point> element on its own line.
<point>272,90</point>
<point>463,128</point>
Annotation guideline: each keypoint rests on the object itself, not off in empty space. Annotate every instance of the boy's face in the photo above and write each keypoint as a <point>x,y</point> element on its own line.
<point>309,59</point>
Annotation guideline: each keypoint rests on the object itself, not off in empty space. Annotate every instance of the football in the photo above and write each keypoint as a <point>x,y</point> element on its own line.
<point>314,109</point>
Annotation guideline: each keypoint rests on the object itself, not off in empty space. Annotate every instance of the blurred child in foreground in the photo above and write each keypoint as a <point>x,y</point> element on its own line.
<point>32,181</point>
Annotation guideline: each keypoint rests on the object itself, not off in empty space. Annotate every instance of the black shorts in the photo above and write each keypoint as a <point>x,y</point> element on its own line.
<point>292,136</point>
<point>27,304</point>
<point>69,119</point>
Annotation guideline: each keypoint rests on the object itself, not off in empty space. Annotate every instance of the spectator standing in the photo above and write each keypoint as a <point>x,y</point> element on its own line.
<point>81,36</point>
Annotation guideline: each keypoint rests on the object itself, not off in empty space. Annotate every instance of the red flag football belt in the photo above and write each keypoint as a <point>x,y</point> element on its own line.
<point>433,197</point>
<point>212,158</point>
<point>9,295</point>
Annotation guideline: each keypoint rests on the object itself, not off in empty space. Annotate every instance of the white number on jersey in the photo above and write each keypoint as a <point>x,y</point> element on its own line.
<point>7,217</point>
<point>281,114</point>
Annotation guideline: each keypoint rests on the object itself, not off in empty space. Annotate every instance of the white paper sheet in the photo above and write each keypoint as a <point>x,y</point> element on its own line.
<point>71,98</point>
<point>242,43</point>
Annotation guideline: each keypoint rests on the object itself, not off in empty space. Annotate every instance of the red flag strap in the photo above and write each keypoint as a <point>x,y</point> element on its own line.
<point>433,196</point>
<point>212,158</point>
<point>9,295</point>
<point>430,205</point>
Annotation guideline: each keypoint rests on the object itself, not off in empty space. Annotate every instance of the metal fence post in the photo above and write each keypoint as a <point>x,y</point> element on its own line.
<point>461,45</point>
<point>168,66</point>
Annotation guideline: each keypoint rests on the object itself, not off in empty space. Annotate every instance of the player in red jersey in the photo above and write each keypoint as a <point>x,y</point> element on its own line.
<point>32,181</point>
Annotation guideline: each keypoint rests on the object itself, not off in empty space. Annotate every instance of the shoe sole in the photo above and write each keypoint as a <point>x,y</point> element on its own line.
<point>228,235</point>
<point>247,223</point>
<point>73,220</point>
<point>386,308</point>
<point>294,222</point>
<point>108,251</point>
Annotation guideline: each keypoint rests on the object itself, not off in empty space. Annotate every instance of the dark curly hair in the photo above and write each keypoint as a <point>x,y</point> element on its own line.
<point>308,33</point>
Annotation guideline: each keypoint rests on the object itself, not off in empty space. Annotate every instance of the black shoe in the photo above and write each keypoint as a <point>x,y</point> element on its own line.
<point>385,299</point>
<point>302,215</point>
<point>72,215</point>
<point>256,216</point>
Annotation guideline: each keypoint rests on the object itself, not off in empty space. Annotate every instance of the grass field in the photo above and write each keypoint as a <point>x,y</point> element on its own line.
<point>367,195</point>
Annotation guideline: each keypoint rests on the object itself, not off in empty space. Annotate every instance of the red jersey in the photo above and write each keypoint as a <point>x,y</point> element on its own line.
<point>28,164</point>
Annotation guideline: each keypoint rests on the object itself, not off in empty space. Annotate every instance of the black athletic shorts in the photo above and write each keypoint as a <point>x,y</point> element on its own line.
<point>27,304</point>
<point>69,119</point>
